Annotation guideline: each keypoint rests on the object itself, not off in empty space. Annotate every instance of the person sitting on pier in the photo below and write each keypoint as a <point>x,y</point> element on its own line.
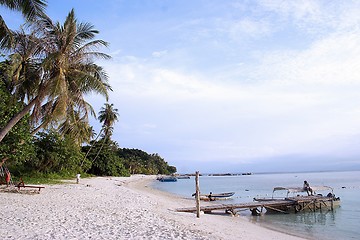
<point>330,195</point>
<point>210,197</point>
<point>307,188</point>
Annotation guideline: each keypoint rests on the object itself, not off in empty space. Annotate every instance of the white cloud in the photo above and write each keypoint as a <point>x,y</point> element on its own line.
<point>278,101</point>
<point>316,16</point>
<point>330,61</point>
<point>297,100</point>
<point>306,9</point>
<point>159,53</point>
<point>247,28</point>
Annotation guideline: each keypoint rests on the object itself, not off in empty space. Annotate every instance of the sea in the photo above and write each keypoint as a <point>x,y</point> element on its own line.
<point>341,223</point>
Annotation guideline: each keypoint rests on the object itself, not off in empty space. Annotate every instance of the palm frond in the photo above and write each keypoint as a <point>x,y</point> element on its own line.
<point>29,8</point>
<point>32,8</point>
<point>85,31</point>
<point>6,35</point>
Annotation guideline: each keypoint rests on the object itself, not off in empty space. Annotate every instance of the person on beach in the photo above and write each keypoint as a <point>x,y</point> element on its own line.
<point>307,188</point>
<point>78,178</point>
<point>7,177</point>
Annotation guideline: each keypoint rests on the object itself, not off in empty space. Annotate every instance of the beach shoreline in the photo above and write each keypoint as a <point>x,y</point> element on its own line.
<point>247,229</point>
<point>116,208</point>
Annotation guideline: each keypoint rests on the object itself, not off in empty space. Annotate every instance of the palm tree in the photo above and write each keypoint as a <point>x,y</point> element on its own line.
<point>108,115</point>
<point>77,128</point>
<point>30,9</point>
<point>65,70</point>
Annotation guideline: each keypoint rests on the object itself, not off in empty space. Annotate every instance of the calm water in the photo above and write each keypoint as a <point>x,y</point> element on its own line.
<point>342,223</point>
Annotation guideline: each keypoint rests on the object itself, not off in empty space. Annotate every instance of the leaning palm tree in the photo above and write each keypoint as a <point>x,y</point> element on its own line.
<point>64,68</point>
<point>30,9</point>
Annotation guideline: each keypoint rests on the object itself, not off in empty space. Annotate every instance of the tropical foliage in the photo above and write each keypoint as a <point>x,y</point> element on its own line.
<point>53,68</point>
<point>48,69</point>
<point>116,161</point>
<point>105,161</point>
<point>138,161</point>
<point>55,154</point>
<point>30,9</point>
<point>17,146</point>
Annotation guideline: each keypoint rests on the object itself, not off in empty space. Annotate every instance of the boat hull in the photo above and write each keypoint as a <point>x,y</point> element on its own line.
<point>168,179</point>
<point>216,196</point>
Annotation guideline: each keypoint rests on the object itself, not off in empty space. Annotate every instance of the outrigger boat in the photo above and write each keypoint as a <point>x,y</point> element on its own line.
<point>298,203</point>
<point>215,196</point>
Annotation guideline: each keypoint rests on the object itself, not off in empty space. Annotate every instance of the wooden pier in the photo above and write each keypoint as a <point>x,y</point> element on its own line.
<point>286,205</point>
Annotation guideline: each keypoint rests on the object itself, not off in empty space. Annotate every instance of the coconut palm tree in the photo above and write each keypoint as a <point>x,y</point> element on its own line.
<point>77,128</point>
<point>30,9</point>
<point>65,70</point>
<point>108,115</point>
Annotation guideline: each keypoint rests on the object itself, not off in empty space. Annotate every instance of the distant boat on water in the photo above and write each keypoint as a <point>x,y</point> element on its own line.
<point>183,177</point>
<point>216,196</point>
<point>247,173</point>
<point>167,179</point>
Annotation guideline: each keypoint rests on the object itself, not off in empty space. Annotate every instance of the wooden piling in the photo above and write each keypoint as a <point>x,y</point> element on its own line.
<point>197,194</point>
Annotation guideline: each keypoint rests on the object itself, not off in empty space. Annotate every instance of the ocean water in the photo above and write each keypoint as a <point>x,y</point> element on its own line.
<point>342,223</point>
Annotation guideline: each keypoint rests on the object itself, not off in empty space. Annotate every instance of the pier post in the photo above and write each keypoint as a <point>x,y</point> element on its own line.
<point>197,194</point>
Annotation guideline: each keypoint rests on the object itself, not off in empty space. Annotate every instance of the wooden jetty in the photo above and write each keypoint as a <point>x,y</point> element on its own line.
<point>285,205</point>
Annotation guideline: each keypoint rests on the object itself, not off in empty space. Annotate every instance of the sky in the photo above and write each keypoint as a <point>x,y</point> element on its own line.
<point>230,86</point>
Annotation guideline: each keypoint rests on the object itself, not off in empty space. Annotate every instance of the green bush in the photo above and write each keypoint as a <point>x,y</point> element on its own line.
<point>104,160</point>
<point>16,147</point>
<point>56,154</point>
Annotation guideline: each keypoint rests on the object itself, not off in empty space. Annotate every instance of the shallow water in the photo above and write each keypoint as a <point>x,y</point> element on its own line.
<point>342,223</point>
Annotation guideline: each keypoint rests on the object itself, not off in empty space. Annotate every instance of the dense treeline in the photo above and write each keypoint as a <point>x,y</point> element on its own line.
<point>49,153</point>
<point>46,70</point>
<point>138,161</point>
<point>112,160</point>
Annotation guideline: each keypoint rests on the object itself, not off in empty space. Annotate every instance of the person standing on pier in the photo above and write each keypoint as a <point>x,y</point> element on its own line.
<point>307,188</point>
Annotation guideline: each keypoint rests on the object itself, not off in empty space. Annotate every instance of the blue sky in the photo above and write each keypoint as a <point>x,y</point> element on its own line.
<point>231,86</point>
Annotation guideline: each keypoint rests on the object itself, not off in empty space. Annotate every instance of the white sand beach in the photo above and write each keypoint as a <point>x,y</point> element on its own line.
<point>116,208</point>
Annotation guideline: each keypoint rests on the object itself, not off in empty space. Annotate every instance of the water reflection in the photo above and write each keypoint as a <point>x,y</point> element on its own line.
<point>310,222</point>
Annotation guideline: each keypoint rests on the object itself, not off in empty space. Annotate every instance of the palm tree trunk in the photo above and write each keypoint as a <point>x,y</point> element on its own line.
<point>92,145</point>
<point>102,145</point>
<point>36,130</point>
<point>16,118</point>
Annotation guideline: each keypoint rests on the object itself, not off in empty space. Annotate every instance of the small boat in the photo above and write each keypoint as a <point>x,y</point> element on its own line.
<point>183,177</point>
<point>297,202</point>
<point>216,196</point>
<point>167,179</point>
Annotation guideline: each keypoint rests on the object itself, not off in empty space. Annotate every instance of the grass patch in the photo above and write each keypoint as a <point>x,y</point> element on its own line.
<point>48,179</point>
